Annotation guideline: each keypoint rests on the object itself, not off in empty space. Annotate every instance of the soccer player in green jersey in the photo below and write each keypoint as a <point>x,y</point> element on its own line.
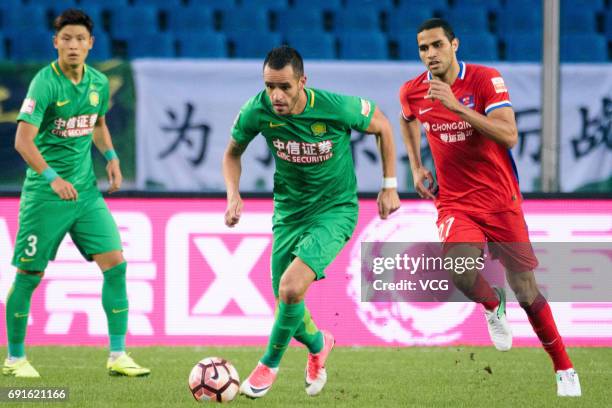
<point>315,197</point>
<point>62,114</point>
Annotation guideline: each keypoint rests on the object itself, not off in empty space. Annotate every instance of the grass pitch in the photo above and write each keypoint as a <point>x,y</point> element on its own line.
<point>357,377</point>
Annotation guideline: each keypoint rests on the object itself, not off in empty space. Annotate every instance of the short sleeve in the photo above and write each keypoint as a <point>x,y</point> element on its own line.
<point>245,126</point>
<point>357,112</point>
<point>104,99</point>
<point>37,100</point>
<point>493,91</point>
<point>405,106</point>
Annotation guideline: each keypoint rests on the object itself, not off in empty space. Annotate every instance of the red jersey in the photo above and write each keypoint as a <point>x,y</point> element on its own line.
<point>474,173</point>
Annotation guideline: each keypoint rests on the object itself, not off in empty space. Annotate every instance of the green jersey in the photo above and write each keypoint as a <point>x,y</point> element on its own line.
<point>65,115</point>
<point>314,166</point>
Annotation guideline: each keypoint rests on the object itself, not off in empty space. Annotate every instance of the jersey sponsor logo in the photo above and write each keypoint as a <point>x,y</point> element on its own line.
<point>467,100</point>
<point>499,85</point>
<point>365,107</point>
<point>94,98</point>
<point>62,103</point>
<point>28,106</point>
<point>275,125</point>
<point>303,152</point>
<point>422,111</point>
<point>75,126</point>
<point>318,128</point>
<point>22,259</point>
<point>445,127</point>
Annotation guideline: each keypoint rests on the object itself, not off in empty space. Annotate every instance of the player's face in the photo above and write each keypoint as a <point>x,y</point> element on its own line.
<point>436,51</point>
<point>73,43</point>
<point>283,88</point>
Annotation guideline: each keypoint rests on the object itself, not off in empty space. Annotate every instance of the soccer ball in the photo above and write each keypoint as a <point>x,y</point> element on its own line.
<point>214,379</point>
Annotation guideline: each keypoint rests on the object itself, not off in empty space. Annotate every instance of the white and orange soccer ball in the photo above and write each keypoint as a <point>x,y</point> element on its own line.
<point>214,379</point>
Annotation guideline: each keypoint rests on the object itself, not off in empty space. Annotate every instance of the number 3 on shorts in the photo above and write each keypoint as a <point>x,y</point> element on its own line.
<point>444,228</point>
<point>31,250</point>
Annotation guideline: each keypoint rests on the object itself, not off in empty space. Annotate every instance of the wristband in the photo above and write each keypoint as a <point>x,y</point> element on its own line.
<point>389,182</point>
<point>49,174</point>
<point>111,154</point>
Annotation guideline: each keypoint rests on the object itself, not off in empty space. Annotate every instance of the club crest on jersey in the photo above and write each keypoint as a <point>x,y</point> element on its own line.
<point>467,100</point>
<point>94,98</point>
<point>318,128</point>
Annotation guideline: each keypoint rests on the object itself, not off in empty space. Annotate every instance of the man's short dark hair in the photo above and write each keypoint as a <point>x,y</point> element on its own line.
<point>73,17</point>
<point>279,57</point>
<point>438,23</point>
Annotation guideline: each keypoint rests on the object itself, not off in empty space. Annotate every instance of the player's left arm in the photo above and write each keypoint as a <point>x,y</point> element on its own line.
<point>499,125</point>
<point>388,199</point>
<point>104,143</point>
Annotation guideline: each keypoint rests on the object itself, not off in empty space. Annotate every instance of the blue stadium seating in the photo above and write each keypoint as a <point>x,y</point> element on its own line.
<point>379,5</point>
<point>437,5</point>
<point>106,5</point>
<point>252,44</point>
<point>129,21</point>
<point>313,45</point>
<point>360,19</point>
<point>407,47</point>
<point>272,5</point>
<point>491,5</point>
<point>478,47</point>
<point>524,47</point>
<point>583,48</point>
<point>101,50</point>
<point>362,45</point>
<point>3,53</point>
<point>406,20</point>
<point>594,5</point>
<point>299,20</point>
<point>190,20</point>
<point>203,45</point>
<point>25,18</point>
<point>468,20</point>
<point>327,5</point>
<point>158,3</point>
<point>608,24</point>
<point>215,5</point>
<point>239,19</point>
<point>150,45</point>
<point>57,6</point>
<point>32,45</point>
<point>514,20</point>
<point>578,21</point>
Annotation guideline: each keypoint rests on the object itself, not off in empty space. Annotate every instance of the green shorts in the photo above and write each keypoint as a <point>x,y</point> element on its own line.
<point>44,224</point>
<point>317,242</point>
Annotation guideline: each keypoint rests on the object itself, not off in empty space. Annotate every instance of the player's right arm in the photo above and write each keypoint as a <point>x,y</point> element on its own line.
<point>29,119</point>
<point>411,134</point>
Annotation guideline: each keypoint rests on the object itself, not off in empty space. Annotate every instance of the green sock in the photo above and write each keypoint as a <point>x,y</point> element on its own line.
<point>288,319</point>
<point>308,334</point>
<point>115,303</point>
<point>17,311</point>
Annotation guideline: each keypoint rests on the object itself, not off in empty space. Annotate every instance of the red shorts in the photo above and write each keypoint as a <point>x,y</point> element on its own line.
<point>506,232</point>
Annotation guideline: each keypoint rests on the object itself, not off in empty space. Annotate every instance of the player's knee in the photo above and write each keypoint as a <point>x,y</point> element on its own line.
<point>109,260</point>
<point>289,293</point>
<point>36,273</point>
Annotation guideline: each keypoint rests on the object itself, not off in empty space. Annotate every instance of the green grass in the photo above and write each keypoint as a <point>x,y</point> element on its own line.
<point>368,377</point>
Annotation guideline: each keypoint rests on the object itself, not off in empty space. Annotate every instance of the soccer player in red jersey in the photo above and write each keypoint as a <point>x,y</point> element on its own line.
<point>470,127</point>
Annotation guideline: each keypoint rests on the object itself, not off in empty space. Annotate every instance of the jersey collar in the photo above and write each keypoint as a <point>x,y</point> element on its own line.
<point>60,73</point>
<point>461,75</point>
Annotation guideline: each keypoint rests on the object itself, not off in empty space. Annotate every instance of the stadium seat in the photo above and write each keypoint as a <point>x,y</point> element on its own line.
<point>514,20</point>
<point>406,20</point>
<point>362,45</point>
<point>190,20</point>
<point>215,5</point>
<point>608,24</point>
<point>299,20</point>
<point>252,44</point>
<point>361,19</point>
<point>166,4</point>
<point>379,5</point>
<point>593,5</point>
<point>101,50</point>
<point>239,19</point>
<point>468,20</point>
<point>3,53</point>
<point>313,45</point>
<point>129,21</point>
<point>489,5</point>
<point>326,5</point>
<point>437,5</point>
<point>32,45</point>
<point>407,47</point>
<point>150,45</point>
<point>478,47</point>
<point>203,45</point>
<point>272,5</point>
<point>25,18</point>
<point>107,5</point>
<point>524,47</point>
<point>578,21</point>
<point>583,48</point>
<point>55,6</point>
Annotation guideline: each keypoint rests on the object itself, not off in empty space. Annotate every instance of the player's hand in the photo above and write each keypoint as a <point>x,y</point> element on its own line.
<point>64,189</point>
<point>442,92</point>
<point>388,202</point>
<point>421,175</point>
<point>233,211</point>
<point>113,171</point>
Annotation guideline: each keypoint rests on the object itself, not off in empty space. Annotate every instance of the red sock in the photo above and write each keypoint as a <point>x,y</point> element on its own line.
<point>544,326</point>
<point>483,293</point>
